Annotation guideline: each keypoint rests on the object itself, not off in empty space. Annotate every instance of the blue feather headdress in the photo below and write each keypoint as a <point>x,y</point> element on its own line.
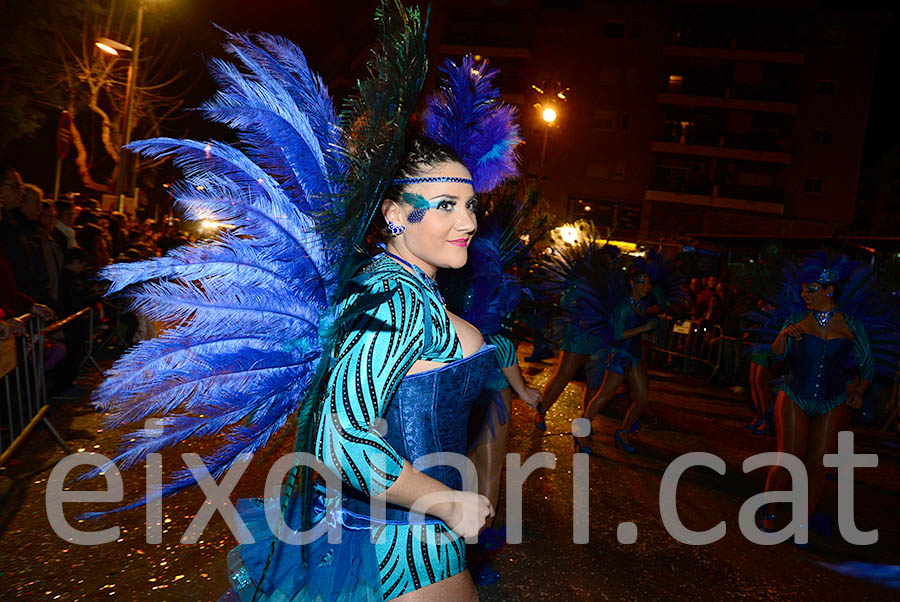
<point>466,116</point>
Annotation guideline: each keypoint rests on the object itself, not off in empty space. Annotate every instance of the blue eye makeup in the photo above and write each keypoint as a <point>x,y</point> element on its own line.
<point>420,205</point>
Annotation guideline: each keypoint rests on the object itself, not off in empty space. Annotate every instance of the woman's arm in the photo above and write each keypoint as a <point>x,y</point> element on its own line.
<point>509,365</point>
<point>790,330</point>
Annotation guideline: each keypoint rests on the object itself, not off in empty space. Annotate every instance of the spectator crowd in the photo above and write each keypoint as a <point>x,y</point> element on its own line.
<point>50,255</point>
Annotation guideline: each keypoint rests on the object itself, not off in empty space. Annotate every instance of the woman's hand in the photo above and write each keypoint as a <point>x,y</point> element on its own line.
<point>649,326</point>
<point>466,513</point>
<point>795,331</point>
<point>532,397</point>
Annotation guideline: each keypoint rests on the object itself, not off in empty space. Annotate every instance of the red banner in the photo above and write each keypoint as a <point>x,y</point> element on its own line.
<point>64,135</point>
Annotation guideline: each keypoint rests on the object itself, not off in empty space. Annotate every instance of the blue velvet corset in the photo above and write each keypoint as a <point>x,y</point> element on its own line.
<point>429,414</point>
<point>820,372</point>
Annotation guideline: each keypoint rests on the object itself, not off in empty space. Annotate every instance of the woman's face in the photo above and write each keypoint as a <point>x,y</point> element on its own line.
<point>642,285</point>
<point>816,296</point>
<point>439,218</point>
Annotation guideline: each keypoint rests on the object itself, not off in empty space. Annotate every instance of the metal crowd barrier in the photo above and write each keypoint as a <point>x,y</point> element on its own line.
<point>90,312</point>
<point>24,388</point>
<point>691,341</point>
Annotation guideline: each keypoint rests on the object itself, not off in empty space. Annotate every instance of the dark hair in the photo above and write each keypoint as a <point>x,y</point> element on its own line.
<point>75,254</point>
<point>421,154</point>
<point>634,274</point>
<point>63,205</point>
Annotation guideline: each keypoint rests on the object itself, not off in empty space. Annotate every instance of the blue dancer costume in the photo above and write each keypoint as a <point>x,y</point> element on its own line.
<point>424,413</point>
<point>821,371</point>
<point>577,274</point>
<point>278,317</point>
<point>626,353</point>
<point>597,303</point>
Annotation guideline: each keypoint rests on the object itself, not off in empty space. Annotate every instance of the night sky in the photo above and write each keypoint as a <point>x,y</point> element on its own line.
<point>333,34</point>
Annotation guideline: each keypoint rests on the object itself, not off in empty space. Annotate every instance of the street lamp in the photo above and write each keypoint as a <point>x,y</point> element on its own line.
<point>548,113</point>
<point>114,48</point>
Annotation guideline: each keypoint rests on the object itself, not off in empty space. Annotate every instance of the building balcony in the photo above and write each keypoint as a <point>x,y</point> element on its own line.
<point>726,102</point>
<point>730,53</point>
<point>746,148</point>
<point>735,198</point>
<point>493,49</point>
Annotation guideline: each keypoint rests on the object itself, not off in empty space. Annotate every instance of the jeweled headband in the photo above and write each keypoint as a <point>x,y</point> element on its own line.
<point>828,276</point>
<point>401,181</point>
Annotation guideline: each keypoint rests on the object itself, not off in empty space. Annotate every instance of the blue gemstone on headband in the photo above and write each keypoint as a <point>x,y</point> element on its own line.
<point>455,180</point>
<point>828,276</point>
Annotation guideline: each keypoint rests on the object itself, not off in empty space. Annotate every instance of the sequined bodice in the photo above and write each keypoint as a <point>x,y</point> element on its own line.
<point>821,368</point>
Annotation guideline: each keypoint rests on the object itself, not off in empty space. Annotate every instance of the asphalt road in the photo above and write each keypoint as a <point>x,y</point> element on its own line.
<point>685,416</point>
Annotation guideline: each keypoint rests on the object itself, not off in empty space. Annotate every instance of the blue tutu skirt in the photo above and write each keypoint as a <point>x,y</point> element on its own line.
<point>314,572</point>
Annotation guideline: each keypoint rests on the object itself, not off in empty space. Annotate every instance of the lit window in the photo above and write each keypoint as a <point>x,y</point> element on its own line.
<point>676,83</point>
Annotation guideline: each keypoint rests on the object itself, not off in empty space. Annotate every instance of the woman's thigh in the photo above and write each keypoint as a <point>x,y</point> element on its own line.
<point>458,587</point>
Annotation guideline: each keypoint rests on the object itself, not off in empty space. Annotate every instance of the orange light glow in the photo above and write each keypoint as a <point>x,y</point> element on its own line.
<point>106,49</point>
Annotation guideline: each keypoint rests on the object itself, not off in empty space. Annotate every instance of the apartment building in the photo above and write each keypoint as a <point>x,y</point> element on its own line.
<point>707,119</point>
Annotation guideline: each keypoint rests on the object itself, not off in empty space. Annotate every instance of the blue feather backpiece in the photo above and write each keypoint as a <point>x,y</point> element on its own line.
<point>488,287</point>
<point>250,317</point>
<point>466,115</point>
<point>665,279</point>
<point>586,277</point>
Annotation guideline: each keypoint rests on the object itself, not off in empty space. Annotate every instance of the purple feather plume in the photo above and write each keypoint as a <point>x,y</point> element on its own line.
<point>466,115</point>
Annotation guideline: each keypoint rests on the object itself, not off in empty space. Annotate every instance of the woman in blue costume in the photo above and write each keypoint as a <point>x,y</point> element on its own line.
<point>571,268</point>
<point>629,321</point>
<point>835,311</point>
<point>418,367</point>
<point>282,316</point>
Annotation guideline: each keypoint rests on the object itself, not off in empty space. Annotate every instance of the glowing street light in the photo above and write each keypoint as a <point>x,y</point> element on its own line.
<point>551,97</point>
<point>113,47</point>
